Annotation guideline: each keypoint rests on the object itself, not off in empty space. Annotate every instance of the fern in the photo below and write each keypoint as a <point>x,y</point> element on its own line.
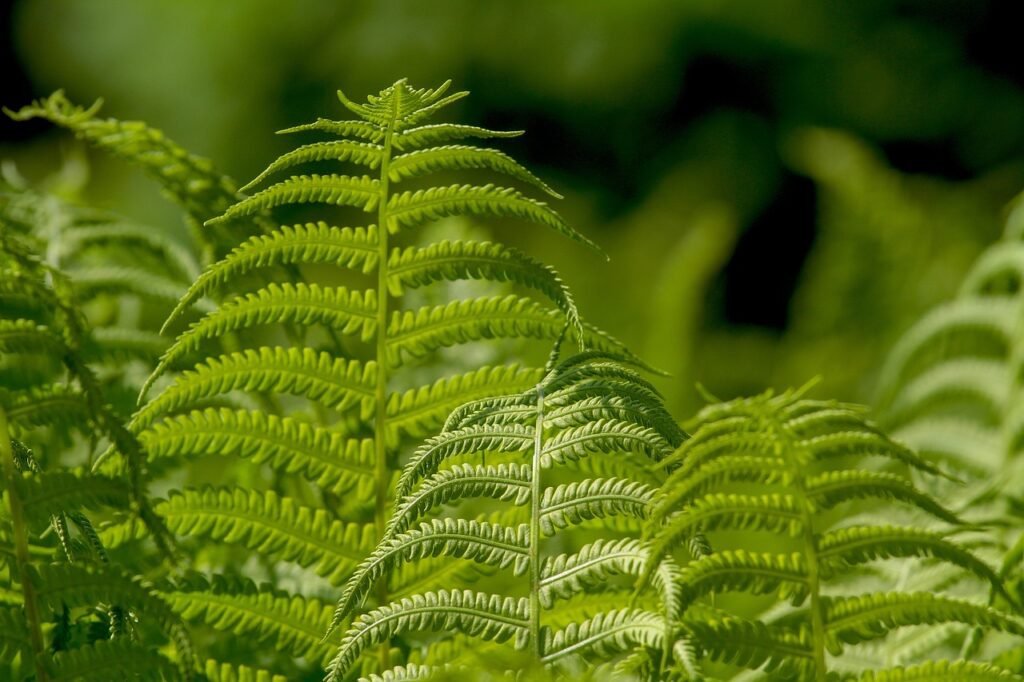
<point>803,462</point>
<point>488,451</point>
<point>951,388</point>
<point>335,403</point>
<point>58,567</point>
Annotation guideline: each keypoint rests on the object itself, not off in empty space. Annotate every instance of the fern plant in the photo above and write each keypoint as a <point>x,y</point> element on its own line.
<point>321,381</point>
<point>69,612</point>
<point>539,454</point>
<point>786,471</point>
<point>951,388</point>
<point>124,277</point>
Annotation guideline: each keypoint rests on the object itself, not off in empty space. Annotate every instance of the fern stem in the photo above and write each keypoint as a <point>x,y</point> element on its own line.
<point>538,437</point>
<point>381,470</point>
<point>21,554</point>
<point>818,633</point>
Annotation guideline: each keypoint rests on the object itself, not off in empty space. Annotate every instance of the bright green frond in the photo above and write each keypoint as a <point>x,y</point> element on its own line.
<point>311,243</point>
<point>410,209</point>
<point>337,190</point>
<point>605,635</point>
<point>417,412</point>
<point>462,157</point>
<point>481,542</point>
<point>362,153</point>
<point>272,525</point>
<point>336,308</point>
<point>573,503</point>
<point>439,133</point>
<point>504,482</point>
<point>327,458</point>
<point>851,620</point>
<point>290,624</point>
<point>482,616</point>
<point>336,383</point>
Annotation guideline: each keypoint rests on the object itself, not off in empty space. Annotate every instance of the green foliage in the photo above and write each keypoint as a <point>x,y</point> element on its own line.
<point>67,595</point>
<point>554,518</point>
<point>790,468</point>
<point>501,449</point>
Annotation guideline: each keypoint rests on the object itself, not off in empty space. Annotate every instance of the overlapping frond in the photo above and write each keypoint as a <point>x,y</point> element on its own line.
<point>452,469</point>
<point>270,524</point>
<point>805,459</point>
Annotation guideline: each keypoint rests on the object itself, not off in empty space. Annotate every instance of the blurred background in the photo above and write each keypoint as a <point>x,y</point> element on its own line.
<point>784,186</point>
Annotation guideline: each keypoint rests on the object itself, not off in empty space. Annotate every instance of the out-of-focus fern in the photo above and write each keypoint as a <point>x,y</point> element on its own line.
<point>952,389</point>
<point>94,614</point>
<point>191,181</point>
<point>535,453</point>
<point>124,278</point>
<point>785,468</point>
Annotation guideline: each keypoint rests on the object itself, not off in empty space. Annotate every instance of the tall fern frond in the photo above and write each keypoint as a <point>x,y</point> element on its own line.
<point>323,381</point>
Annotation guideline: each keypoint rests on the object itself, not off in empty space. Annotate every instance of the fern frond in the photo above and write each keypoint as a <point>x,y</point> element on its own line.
<point>45,494</point>
<point>272,525</point>
<point>335,382</point>
<point>416,138</point>
<point>112,659</point>
<point>362,153</point>
<point>293,625</point>
<point>226,672</point>
<point>312,243</point>
<point>481,542</point>
<point>329,459</point>
<point>504,482</point>
<point>419,411</point>
<point>336,308</point>
<point>413,208</point>
<point>123,279</point>
<point>852,620</point>
<point>46,405</point>
<point>482,616</point>
<point>415,267</point>
<point>192,181</point>
<point>573,503</point>
<point>753,572</point>
<point>490,438</point>
<point>832,488</point>
<point>754,645</point>
<point>857,544</point>
<point>27,337</point>
<point>337,190</point>
<point>60,585</point>
<point>941,671</point>
<point>74,242</point>
<point>605,635</point>
<point>462,157</point>
<point>359,129</point>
